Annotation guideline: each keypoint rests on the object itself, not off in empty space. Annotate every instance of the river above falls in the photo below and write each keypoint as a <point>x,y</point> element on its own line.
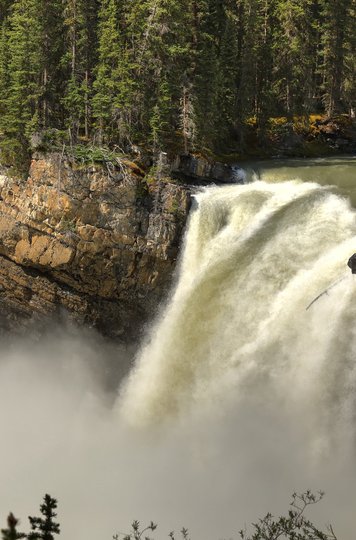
<point>336,171</point>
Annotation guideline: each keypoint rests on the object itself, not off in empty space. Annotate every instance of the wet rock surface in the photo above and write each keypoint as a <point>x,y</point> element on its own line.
<point>203,171</point>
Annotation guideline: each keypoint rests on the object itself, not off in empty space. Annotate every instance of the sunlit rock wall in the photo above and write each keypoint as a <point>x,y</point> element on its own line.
<point>98,243</point>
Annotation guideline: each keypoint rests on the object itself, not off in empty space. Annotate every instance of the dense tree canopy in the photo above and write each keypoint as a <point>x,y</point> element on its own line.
<point>183,74</point>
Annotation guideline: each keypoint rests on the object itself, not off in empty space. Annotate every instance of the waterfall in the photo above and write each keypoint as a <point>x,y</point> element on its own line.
<point>236,327</point>
<point>238,397</point>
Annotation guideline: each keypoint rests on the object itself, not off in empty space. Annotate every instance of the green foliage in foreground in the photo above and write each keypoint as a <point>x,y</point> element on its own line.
<point>293,526</point>
<point>11,532</point>
<point>42,528</point>
<point>45,527</point>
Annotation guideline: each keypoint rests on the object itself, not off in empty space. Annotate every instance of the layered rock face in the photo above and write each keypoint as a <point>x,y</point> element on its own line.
<point>99,243</point>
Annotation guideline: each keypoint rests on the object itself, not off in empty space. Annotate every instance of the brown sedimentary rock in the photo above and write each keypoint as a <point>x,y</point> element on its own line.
<point>100,244</point>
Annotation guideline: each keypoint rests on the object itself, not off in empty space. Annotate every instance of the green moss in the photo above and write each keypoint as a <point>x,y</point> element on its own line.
<point>68,224</point>
<point>174,209</point>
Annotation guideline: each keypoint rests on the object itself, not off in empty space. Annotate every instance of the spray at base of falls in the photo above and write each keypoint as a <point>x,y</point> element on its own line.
<point>236,328</point>
<point>243,395</point>
<point>267,387</point>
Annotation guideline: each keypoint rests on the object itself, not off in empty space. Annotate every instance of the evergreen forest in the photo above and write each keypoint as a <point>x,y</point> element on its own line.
<point>168,74</point>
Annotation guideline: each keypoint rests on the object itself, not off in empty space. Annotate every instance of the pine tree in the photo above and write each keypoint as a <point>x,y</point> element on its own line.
<point>160,50</point>
<point>336,18</point>
<point>229,63</point>
<point>108,85</point>
<point>170,75</point>
<point>295,54</point>
<point>187,119</point>
<point>4,9</point>
<point>45,527</point>
<point>160,117</point>
<point>34,78</point>
<point>11,533</point>
<point>349,82</point>
<point>166,63</point>
<point>204,72</point>
<point>50,16</point>
<point>256,62</point>
<point>81,24</point>
<point>4,69</point>
<point>25,61</point>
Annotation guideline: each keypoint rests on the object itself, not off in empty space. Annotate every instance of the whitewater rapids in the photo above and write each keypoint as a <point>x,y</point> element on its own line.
<point>237,327</point>
<point>238,397</point>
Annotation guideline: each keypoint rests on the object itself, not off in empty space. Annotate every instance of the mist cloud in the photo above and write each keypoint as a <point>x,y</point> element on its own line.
<point>239,398</point>
<point>61,433</point>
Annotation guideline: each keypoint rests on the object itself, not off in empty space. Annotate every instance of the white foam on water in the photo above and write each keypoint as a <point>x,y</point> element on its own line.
<point>239,395</point>
<point>255,257</point>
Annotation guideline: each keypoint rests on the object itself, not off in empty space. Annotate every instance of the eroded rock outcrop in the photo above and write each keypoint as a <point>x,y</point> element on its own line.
<point>99,243</point>
<point>204,171</point>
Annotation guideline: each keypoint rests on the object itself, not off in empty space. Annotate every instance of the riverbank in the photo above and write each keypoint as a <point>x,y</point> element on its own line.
<point>313,136</point>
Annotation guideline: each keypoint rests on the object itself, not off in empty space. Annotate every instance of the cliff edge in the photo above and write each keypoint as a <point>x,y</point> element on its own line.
<point>99,243</point>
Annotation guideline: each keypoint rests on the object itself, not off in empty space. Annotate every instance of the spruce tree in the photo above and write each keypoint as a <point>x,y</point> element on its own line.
<point>34,79</point>
<point>171,75</point>
<point>50,16</point>
<point>4,70</point>
<point>11,533</point>
<point>187,124</point>
<point>108,84</point>
<point>158,38</point>
<point>295,55</point>
<point>45,527</point>
<point>21,117</point>
<point>80,20</point>
<point>166,63</point>
<point>204,71</point>
<point>336,19</point>
<point>227,103</point>
<point>349,82</point>
<point>4,9</point>
<point>160,116</point>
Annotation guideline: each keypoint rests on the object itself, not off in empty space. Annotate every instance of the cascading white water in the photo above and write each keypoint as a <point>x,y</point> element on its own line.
<point>237,327</point>
<point>244,395</point>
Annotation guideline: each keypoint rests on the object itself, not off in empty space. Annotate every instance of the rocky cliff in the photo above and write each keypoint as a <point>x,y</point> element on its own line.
<point>97,242</point>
